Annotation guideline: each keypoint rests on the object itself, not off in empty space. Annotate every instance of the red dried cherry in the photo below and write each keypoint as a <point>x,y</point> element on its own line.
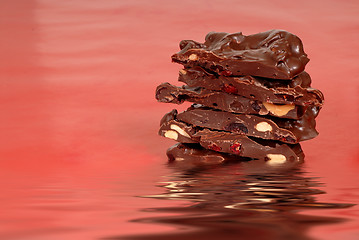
<point>214,147</point>
<point>287,139</point>
<point>226,73</point>
<point>236,148</point>
<point>228,88</point>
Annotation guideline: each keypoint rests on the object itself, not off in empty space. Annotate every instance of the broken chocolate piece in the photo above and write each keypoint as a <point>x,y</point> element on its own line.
<point>287,130</point>
<point>195,154</point>
<point>176,130</point>
<point>303,128</point>
<point>226,102</point>
<point>232,143</point>
<point>244,146</point>
<point>296,92</point>
<point>274,54</point>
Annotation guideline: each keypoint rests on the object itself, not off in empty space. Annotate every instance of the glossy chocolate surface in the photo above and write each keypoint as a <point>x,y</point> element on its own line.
<point>195,154</point>
<point>168,93</point>
<point>296,91</point>
<point>274,54</point>
<point>79,146</point>
<point>228,142</point>
<point>287,130</point>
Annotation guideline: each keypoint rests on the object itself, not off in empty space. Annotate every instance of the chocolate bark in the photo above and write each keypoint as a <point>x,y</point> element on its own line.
<point>286,130</point>
<point>196,155</point>
<point>227,142</point>
<point>274,54</point>
<point>168,93</point>
<point>297,91</point>
<point>173,129</point>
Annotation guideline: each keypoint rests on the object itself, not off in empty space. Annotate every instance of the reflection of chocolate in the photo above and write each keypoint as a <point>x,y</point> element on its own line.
<point>236,201</point>
<point>243,183</point>
<point>273,54</point>
<point>296,91</point>
<point>242,186</point>
<point>168,93</point>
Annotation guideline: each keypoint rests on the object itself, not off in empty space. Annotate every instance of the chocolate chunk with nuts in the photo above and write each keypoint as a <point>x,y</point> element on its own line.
<point>286,130</point>
<point>228,142</point>
<point>296,91</point>
<point>273,54</point>
<point>226,102</point>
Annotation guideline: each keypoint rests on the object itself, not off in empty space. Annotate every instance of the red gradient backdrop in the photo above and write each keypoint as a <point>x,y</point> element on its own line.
<point>79,120</point>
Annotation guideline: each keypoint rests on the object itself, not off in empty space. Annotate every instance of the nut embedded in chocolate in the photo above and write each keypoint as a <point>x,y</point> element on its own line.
<point>228,142</point>
<point>252,97</point>
<point>169,93</point>
<point>296,91</point>
<point>284,130</point>
<point>274,54</point>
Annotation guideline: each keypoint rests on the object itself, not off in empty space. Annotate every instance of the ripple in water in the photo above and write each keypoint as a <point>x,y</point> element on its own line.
<point>242,200</point>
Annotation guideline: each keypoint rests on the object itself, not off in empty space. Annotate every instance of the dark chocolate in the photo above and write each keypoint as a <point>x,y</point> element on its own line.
<point>226,102</point>
<point>250,125</point>
<point>232,143</point>
<point>179,131</point>
<point>245,146</point>
<point>274,54</point>
<point>297,91</point>
<point>195,154</point>
<point>303,128</point>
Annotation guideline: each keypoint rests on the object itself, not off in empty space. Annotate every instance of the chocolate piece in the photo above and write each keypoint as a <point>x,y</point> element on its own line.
<point>195,154</point>
<point>250,125</point>
<point>245,146</point>
<point>178,131</point>
<point>169,116</point>
<point>226,102</point>
<point>296,92</point>
<point>273,54</point>
<point>303,128</point>
<point>232,143</point>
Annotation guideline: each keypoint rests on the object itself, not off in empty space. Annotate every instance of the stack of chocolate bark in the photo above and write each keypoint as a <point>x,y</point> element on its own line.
<point>251,97</point>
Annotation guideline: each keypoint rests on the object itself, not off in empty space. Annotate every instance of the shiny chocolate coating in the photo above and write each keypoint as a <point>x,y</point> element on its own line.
<point>228,142</point>
<point>195,154</point>
<point>286,130</point>
<point>296,91</point>
<point>274,54</point>
<point>168,93</point>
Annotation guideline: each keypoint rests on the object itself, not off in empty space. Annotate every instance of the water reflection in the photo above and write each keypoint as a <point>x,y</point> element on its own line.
<point>240,200</point>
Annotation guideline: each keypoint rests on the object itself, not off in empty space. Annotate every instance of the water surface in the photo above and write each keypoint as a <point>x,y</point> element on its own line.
<point>79,153</point>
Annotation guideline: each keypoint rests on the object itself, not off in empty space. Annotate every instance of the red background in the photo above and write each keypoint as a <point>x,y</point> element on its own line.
<point>78,125</point>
